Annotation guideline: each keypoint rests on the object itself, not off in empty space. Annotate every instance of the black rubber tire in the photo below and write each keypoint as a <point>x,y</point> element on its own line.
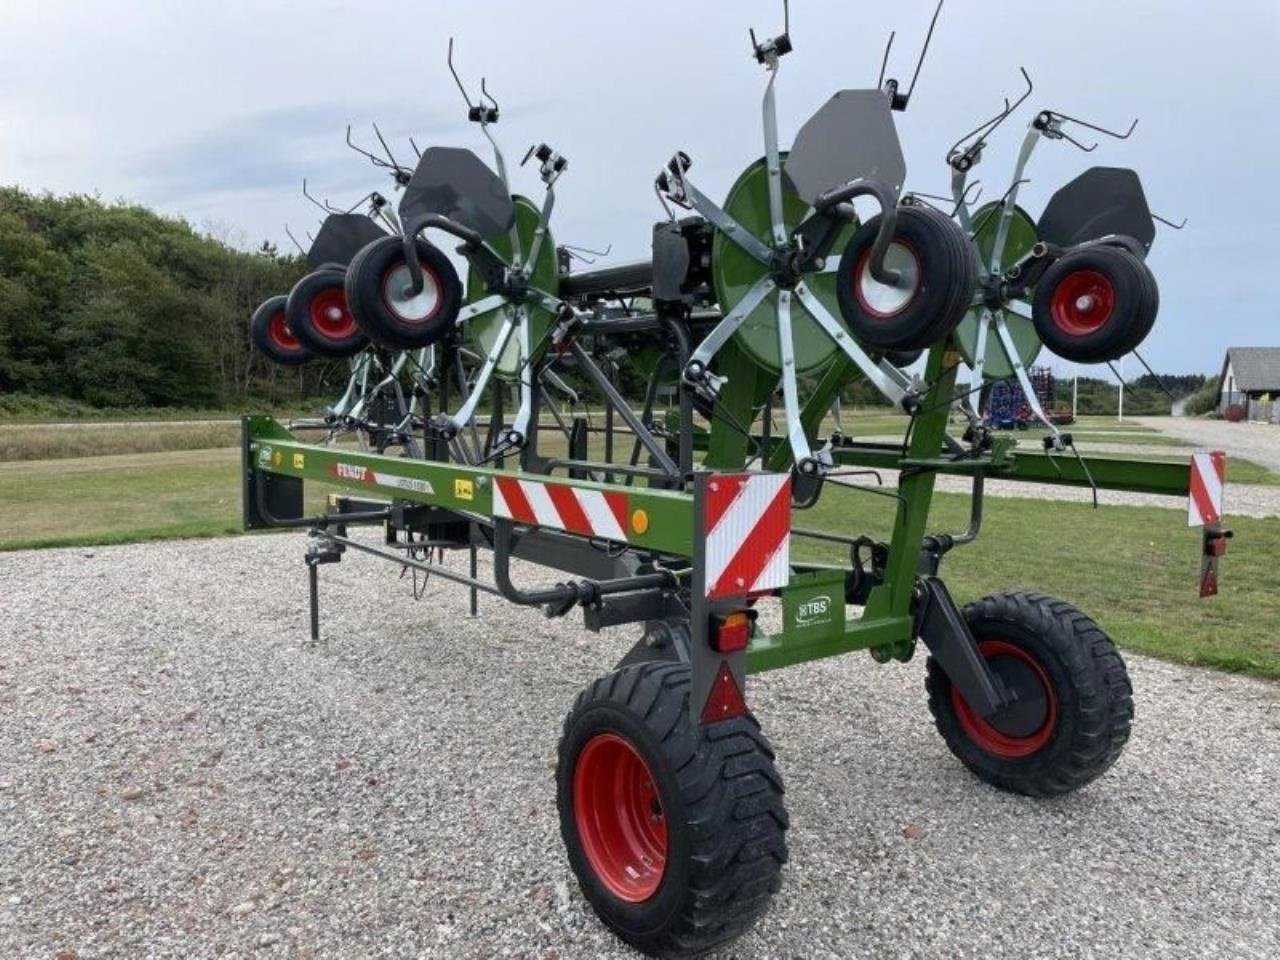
<point>721,799</point>
<point>302,319</point>
<point>365,285</point>
<point>1151,301</point>
<point>1094,698</point>
<point>267,339</point>
<point>903,358</point>
<point>1135,303</point>
<point>948,276</point>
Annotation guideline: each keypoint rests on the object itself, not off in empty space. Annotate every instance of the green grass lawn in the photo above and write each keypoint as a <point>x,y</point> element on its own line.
<point>1135,569</point>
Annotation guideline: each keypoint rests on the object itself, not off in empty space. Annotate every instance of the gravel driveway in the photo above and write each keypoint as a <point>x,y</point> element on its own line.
<point>1259,442</point>
<point>181,777</point>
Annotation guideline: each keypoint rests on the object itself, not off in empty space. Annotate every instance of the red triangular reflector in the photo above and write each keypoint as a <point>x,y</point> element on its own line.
<point>1209,583</point>
<point>725,700</point>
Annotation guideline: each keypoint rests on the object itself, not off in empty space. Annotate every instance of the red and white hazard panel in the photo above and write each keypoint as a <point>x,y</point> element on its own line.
<point>748,533</point>
<point>1208,478</point>
<point>591,513</point>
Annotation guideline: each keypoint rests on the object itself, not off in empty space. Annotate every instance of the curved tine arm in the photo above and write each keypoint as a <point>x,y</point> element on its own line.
<point>411,230</point>
<point>864,187</point>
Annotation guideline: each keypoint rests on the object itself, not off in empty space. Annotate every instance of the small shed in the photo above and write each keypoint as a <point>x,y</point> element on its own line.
<point>1251,380</point>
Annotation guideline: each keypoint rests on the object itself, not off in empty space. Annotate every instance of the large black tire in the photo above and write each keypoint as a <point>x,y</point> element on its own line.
<point>696,813</point>
<point>939,266</point>
<point>269,330</point>
<point>376,282</point>
<point>1076,702</point>
<point>903,358</point>
<point>318,315</point>
<point>1095,304</point>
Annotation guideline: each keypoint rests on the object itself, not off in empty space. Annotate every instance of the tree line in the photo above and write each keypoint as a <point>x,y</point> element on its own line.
<point>114,305</point>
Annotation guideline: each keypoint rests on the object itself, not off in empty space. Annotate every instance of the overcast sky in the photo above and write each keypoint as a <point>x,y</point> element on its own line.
<point>215,111</point>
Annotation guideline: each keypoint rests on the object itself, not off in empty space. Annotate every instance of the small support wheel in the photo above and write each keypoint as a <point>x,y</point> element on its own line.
<point>938,272</point>
<point>382,300</point>
<point>1074,701</point>
<point>271,334</point>
<point>676,832</point>
<point>318,315</point>
<point>1095,304</point>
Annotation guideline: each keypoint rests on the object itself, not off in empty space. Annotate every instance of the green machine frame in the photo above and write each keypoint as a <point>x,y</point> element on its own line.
<point>275,462</point>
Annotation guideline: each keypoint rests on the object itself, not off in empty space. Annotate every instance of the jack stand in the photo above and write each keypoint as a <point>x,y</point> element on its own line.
<point>318,552</point>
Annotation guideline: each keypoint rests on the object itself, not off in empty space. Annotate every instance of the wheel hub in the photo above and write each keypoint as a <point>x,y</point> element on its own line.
<point>620,818</point>
<point>1025,726</point>
<point>1083,303</point>
<point>398,292</point>
<point>882,299</point>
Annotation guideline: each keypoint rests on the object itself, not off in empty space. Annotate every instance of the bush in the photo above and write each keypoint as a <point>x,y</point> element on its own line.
<point>1205,400</point>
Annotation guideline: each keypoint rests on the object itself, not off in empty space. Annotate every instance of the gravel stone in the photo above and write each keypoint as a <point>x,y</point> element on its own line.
<point>285,794</point>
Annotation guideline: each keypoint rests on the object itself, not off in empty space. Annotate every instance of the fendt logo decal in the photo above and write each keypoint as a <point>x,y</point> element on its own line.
<point>347,471</point>
<point>813,612</point>
<point>353,473</point>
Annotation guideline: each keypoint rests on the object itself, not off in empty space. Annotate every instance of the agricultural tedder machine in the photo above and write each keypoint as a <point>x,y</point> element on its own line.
<point>674,506</point>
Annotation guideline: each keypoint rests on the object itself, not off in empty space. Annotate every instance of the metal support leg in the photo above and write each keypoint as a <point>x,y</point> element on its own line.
<point>468,411</point>
<point>1024,381</point>
<point>697,366</point>
<point>313,579</point>
<point>790,395</point>
<point>475,595</point>
<point>974,400</point>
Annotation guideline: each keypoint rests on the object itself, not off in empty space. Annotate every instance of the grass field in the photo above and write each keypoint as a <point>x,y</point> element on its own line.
<point>1133,568</point>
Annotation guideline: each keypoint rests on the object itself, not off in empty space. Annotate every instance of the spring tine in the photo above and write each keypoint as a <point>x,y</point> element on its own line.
<point>1156,377</point>
<point>1170,223</point>
<point>884,63</point>
<point>484,90</point>
<point>1093,486</point>
<point>925,49</point>
<point>307,193</point>
<point>977,227</point>
<point>295,240</point>
<point>1076,143</point>
<point>390,155</point>
<point>376,161</point>
<point>1093,126</point>
<point>456,78</point>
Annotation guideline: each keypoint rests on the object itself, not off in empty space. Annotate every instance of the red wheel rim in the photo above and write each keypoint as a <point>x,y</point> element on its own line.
<point>1082,303</point>
<point>409,308</point>
<point>278,333</point>
<point>900,256</point>
<point>987,734</point>
<point>330,317</point>
<point>619,818</point>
